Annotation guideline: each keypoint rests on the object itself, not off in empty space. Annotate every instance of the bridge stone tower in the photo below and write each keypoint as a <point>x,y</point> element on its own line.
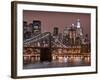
<point>55,31</point>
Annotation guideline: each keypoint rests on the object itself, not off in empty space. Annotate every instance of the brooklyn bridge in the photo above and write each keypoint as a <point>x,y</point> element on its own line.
<point>43,51</point>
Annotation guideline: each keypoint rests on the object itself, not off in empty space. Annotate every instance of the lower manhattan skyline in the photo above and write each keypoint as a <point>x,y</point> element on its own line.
<point>49,20</point>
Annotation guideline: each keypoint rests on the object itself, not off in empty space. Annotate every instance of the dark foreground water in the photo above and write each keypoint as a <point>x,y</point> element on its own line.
<point>54,64</point>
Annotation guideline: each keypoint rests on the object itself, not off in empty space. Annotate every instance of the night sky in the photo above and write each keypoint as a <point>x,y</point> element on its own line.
<point>49,20</point>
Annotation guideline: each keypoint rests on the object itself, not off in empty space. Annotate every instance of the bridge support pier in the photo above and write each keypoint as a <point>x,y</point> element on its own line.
<point>45,55</point>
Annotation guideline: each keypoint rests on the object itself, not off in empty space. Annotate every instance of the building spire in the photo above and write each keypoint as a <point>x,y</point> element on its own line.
<point>78,23</point>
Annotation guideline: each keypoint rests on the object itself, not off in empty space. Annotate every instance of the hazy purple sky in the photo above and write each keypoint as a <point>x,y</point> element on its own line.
<point>49,20</point>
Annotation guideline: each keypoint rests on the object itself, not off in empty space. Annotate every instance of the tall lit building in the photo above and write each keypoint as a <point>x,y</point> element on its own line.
<point>27,30</point>
<point>36,27</point>
<point>55,31</point>
<point>78,25</point>
<point>72,34</point>
<point>30,27</point>
<point>25,26</point>
<point>79,29</point>
<point>66,35</point>
<point>65,32</point>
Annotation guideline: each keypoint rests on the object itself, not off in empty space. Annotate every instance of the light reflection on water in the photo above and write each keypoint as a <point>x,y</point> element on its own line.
<point>60,62</point>
<point>72,59</point>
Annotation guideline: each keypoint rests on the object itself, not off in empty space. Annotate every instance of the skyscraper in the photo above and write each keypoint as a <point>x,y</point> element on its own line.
<point>36,27</point>
<point>55,31</point>
<point>26,31</point>
<point>78,23</point>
